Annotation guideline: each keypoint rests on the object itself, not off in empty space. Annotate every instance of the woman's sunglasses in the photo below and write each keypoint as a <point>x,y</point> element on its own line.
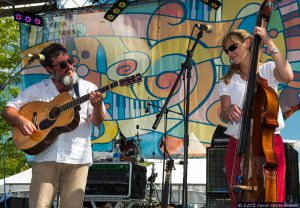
<point>231,48</point>
<point>64,64</point>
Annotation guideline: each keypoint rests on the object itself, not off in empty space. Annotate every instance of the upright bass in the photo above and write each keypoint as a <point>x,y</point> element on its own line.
<point>257,163</point>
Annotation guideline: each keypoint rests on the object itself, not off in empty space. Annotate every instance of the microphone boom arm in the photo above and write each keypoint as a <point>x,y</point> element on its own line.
<point>150,104</point>
<point>162,110</point>
<point>184,66</point>
<point>2,86</point>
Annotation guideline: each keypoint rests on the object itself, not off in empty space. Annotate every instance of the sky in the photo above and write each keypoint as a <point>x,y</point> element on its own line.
<point>292,127</point>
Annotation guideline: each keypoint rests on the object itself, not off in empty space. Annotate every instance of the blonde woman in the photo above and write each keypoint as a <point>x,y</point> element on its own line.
<point>232,88</point>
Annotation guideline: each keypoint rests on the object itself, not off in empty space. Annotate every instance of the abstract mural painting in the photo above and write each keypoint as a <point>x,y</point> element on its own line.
<point>152,39</point>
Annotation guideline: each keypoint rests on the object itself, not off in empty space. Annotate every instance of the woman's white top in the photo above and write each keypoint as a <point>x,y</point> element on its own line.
<point>236,90</point>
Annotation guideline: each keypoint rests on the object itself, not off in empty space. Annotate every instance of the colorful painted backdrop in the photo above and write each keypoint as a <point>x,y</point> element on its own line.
<point>152,39</point>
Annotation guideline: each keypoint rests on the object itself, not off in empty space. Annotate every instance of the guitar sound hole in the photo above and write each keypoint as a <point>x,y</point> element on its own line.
<point>54,113</point>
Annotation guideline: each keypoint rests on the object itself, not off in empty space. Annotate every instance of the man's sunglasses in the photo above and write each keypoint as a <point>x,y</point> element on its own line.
<point>64,64</point>
<point>231,48</point>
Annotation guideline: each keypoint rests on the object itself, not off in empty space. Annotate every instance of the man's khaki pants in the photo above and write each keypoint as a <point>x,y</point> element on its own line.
<point>50,177</point>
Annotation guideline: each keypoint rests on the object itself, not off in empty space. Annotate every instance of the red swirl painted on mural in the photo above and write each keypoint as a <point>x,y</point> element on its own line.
<point>126,67</point>
<point>166,81</point>
<point>163,84</point>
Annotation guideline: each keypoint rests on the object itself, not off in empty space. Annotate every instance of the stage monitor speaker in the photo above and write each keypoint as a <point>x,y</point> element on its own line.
<point>215,171</point>
<point>117,179</point>
<point>217,202</point>
<point>292,174</point>
<point>14,202</point>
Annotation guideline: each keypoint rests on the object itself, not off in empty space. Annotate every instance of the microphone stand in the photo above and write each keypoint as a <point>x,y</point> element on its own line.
<point>162,143</point>
<point>186,66</point>
<point>138,149</point>
<point>151,179</point>
<point>2,86</point>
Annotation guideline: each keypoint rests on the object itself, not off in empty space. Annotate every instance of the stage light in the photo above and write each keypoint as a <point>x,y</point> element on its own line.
<point>215,4</point>
<point>28,18</point>
<point>115,10</point>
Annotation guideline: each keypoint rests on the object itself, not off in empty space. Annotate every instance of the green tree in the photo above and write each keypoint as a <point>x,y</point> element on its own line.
<point>12,160</point>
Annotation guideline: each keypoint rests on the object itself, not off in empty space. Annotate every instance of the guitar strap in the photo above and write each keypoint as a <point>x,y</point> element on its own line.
<point>76,89</point>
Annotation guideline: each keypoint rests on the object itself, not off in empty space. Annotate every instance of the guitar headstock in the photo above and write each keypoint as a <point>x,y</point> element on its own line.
<point>130,80</point>
<point>170,165</point>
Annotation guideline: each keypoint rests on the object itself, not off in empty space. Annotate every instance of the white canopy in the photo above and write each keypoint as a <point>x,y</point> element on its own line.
<point>21,178</point>
<point>16,183</point>
<point>196,171</point>
<point>196,175</point>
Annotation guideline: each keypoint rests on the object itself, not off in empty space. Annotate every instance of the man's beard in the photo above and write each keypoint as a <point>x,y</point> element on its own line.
<point>67,80</point>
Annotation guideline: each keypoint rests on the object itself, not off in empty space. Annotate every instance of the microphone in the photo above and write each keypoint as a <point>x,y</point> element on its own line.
<point>206,28</point>
<point>39,57</point>
<point>148,106</point>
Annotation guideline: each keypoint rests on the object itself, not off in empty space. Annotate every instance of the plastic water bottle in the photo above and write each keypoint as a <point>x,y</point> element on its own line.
<point>117,153</point>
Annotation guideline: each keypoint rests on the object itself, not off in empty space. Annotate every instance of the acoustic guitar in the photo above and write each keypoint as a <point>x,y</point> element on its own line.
<point>55,117</point>
<point>166,189</point>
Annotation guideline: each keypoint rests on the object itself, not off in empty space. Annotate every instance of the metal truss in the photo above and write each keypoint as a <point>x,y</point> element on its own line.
<point>7,7</point>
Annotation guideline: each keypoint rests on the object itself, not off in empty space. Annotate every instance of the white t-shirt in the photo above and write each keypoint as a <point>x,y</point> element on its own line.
<point>236,90</point>
<point>72,147</point>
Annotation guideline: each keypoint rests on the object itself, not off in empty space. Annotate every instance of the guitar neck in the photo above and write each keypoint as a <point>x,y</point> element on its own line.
<point>166,191</point>
<point>84,98</point>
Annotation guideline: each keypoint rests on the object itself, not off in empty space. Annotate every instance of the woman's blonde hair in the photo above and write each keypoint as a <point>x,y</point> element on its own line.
<point>235,36</point>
